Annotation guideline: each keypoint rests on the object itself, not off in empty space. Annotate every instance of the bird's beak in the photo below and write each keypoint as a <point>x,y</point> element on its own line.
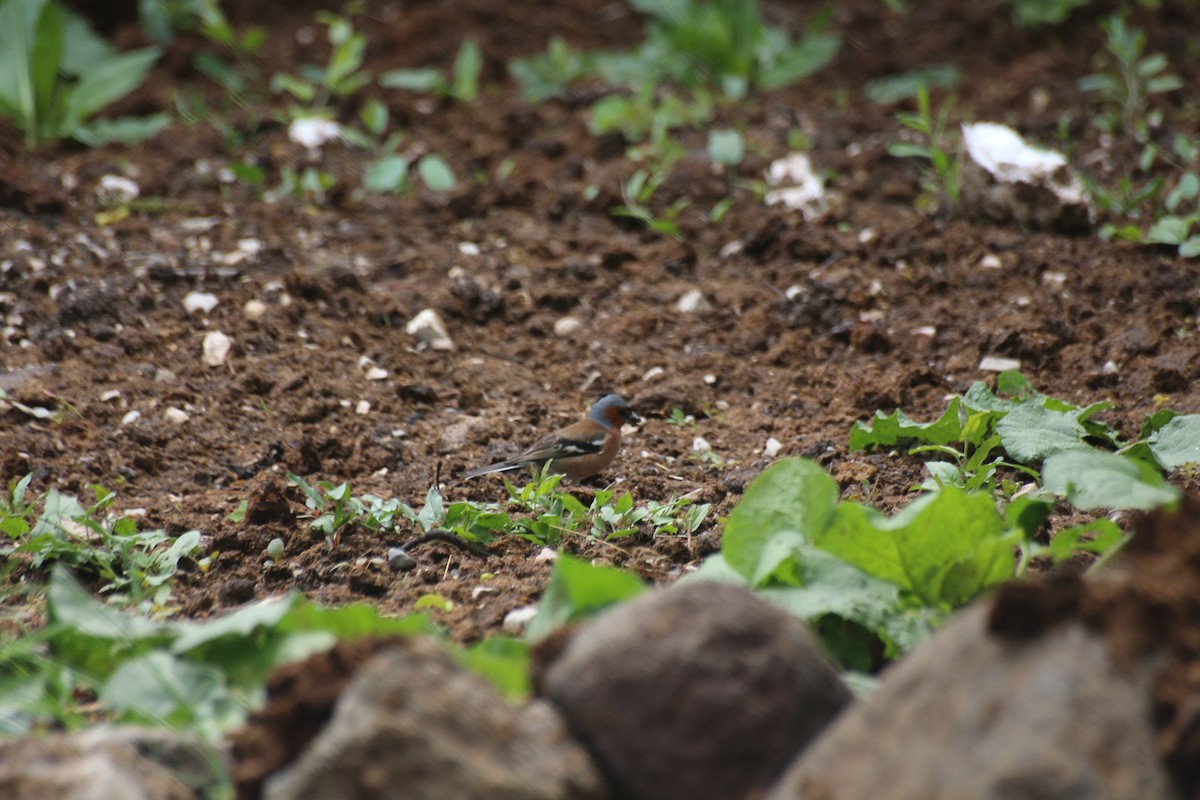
<point>634,419</point>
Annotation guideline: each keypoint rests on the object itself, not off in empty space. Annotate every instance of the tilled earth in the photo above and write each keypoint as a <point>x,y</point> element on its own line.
<point>812,325</point>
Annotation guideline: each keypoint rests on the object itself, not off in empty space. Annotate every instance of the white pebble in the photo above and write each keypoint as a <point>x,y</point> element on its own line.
<point>313,132</point>
<point>652,373</point>
<point>254,309</point>
<point>547,554</point>
<point>216,348</point>
<point>199,301</point>
<point>710,379</point>
<point>1055,280</point>
<point>176,416</point>
<point>429,329</point>
<point>116,190</point>
<point>693,302</point>
<point>479,591</point>
<point>518,619</point>
<point>111,394</point>
<point>990,261</point>
<point>731,249</point>
<point>1109,368</point>
<point>700,445</point>
<point>376,374</point>
<point>998,364</point>
<point>925,330</point>
<point>131,417</point>
<point>772,447</point>
<point>362,408</point>
<point>468,248</point>
<point>566,326</point>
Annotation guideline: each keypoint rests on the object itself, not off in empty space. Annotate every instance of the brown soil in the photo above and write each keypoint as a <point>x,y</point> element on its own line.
<point>93,314</point>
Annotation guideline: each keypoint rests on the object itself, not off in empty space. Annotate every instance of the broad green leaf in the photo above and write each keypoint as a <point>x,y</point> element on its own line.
<point>123,130</point>
<point>886,430</point>
<point>1177,442</point>
<point>1190,248</point>
<point>792,499</point>
<point>18,24</point>
<point>894,88</point>
<point>502,660</point>
<point>1030,432</point>
<point>242,623</point>
<point>945,547</point>
<point>436,173</point>
<point>577,590</point>
<point>70,605</point>
<point>106,82</point>
<point>1096,479</point>
<point>1106,535</point>
<point>47,58</point>
<point>162,688</point>
<point>1167,230</point>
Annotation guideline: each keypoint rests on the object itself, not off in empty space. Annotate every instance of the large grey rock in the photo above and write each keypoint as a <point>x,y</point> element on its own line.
<point>971,716</point>
<point>413,724</point>
<point>697,691</point>
<point>105,762</point>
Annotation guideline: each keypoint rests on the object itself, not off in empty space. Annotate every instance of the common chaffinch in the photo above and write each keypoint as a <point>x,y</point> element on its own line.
<point>577,451</point>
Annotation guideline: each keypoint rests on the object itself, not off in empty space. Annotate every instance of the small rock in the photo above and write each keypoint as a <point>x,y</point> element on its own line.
<point>362,408</point>
<point>376,373</point>
<point>1109,368</point>
<point>199,301</point>
<point>700,445</point>
<point>1054,280</point>
<point>254,309</point>
<point>455,435</point>
<point>429,329</point>
<point>116,190</point>
<point>111,394</point>
<point>796,186</point>
<point>399,560</point>
<point>175,416</point>
<point>216,348</point>
<point>312,132</point>
<point>480,591</point>
<point>693,302</point>
<point>653,373</point>
<point>566,326</point>
<point>990,261</point>
<point>772,447</point>
<point>468,248</point>
<point>999,364</point>
<point>131,417</point>
<point>929,331</point>
<point>516,621</point>
<point>546,554</point>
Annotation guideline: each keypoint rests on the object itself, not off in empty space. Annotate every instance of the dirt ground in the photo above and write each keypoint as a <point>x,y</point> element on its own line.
<point>812,326</point>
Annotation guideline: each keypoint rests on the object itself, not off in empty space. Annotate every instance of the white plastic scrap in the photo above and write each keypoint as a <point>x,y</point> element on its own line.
<point>796,186</point>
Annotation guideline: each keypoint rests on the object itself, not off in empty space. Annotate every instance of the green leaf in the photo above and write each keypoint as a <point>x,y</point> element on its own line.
<point>894,88</point>
<point>468,65</point>
<point>1103,535</point>
<point>75,608</point>
<point>107,82</point>
<point>436,173</point>
<point>1094,479</point>
<point>791,501</point>
<point>886,430</point>
<point>1190,248</point>
<point>945,547</point>
<point>413,80</point>
<point>161,688</point>
<point>1167,230</point>
<point>502,660</point>
<point>577,590</point>
<point>908,150</point>
<point>123,130</point>
<point>1030,432</point>
<point>387,174</point>
<point>47,59</point>
<point>1177,442</point>
<point>725,147</point>
<point>1188,188</point>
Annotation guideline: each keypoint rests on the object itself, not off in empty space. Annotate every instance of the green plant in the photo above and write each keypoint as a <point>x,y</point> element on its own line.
<point>342,76</point>
<point>134,565</point>
<point>56,74</point>
<point>1034,431</point>
<point>1127,79</point>
<point>462,84</point>
<point>636,193</point>
<point>550,74</point>
<point>940,183</point>
<point>1036,13</point>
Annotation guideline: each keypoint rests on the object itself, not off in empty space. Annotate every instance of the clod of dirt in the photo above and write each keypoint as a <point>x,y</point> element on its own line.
<point>268,501</point>
<point>413,723</point>
<point>698,691</point>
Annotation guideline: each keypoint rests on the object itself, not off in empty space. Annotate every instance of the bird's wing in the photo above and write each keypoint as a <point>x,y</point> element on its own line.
<point>549,448</point>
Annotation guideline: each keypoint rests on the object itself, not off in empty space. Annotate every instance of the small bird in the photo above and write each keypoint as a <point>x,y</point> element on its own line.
<point>577,451</point>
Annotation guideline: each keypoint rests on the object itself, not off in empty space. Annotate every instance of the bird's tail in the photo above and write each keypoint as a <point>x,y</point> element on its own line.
<point>503,466</point>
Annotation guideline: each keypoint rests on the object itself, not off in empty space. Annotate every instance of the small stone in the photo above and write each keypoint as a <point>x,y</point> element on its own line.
<point>199,301</point>
<point>468,248</point>
<point>480,591</point>
<point>429,329</point>
<point>176,416</point>
<point>376,374</point>
<point>566,326</point>
<point>312,132</point>
<point>998,364</point>
<point>1054,280</point>
<point>1109,368</point>
<point>518,619</point>
<point>547,554</point>
<point>866,236</point>
<point>700,445</point>
<point>731,249</point>
<point>710,379</point>
<point>254,309</point>
<point>111,394</point>
<point>925,330</point>
<point>116,190</point>
<point>772,447</point>
<point>216,348</point>
<point>362,408</point>
<point>131,417</point>
<point>693,302</point>
<point>399,560</point>
<point>653,373</point>
<point>990,261</point>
